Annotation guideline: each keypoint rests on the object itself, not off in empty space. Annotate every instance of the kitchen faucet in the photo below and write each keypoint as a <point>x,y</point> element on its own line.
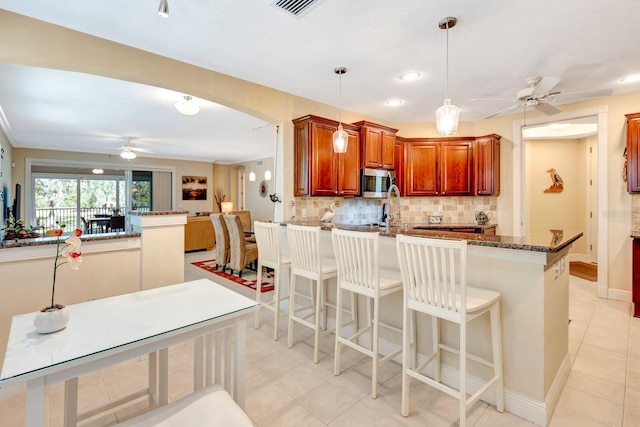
<point>392,188</point>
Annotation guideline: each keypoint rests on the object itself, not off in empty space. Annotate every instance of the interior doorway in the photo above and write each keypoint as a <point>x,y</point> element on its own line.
<point>595,217</point>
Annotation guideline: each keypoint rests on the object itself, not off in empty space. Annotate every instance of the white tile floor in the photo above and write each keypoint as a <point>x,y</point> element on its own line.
<point>285,388</point>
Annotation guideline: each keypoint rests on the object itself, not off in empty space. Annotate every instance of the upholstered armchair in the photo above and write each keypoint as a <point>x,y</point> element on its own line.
<point>222,249</point>
<point>242,253</point>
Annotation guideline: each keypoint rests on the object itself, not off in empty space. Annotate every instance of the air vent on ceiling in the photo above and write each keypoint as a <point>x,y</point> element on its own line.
<point>295,7</point>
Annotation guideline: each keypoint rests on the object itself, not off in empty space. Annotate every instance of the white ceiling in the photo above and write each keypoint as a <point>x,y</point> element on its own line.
<point>494,48</point>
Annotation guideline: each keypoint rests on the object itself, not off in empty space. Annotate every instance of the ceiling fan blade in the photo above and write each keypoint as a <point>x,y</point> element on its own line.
<point>566,97</point>
<point>545,85</point>
<point>547,109</point>
<point>511,107</point>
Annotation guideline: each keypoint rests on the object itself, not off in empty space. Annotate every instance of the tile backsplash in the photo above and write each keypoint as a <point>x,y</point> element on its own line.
<point>413,210</point>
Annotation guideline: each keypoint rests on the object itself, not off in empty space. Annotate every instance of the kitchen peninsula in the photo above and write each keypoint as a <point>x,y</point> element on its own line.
<point>532,275</point>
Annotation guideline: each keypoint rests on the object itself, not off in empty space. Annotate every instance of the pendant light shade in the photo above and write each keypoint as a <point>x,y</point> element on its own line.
<point>252,176</point>
<point>163,8</point>
<point>267,175</point>
<point>447,116</point>
<point>340,137</point>
<point>187,107</point>
<point>127,153</point>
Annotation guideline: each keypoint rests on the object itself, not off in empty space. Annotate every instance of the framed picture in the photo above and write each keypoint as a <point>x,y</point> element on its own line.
<point>194,187</point>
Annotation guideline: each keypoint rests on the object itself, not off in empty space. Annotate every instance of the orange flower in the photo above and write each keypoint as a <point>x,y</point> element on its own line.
<point>55,232</point>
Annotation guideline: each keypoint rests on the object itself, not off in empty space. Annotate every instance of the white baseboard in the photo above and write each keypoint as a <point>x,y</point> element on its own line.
<point>619,295</point>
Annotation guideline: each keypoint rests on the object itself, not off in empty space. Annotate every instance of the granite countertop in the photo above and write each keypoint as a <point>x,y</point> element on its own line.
<point>48,240</point>
<point>551,242</point>
<point>136,213</point>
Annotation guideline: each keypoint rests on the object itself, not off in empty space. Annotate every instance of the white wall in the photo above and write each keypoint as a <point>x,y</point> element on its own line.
<point>558,211</point>
<point>261,207</point>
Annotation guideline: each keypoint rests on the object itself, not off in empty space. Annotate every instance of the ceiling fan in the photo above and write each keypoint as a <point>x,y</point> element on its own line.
<point>127,150</point>
<point>538,95</point>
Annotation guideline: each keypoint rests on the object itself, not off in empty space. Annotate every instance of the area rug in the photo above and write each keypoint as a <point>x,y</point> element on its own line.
<point>248,279</point>
<point>584,270</point>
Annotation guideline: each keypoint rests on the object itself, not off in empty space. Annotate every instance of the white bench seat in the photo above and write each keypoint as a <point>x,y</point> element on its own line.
<point>210,406</point>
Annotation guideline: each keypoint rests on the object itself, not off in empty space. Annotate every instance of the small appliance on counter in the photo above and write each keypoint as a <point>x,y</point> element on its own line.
<point>434,219</point>
<point>483,218</point>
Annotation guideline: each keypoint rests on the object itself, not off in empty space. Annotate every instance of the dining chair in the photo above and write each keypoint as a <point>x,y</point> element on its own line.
<point>241,253</point>
<point>116,223</point>
<point>359,272</point>
<point>434,276</point>
<point>267,236</point>
<point>86,228</point>
<point>221,250</point>
<point>307,263</point>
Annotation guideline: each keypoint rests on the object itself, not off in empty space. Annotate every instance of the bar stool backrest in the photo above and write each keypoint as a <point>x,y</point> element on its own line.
<point>434,275</point>
<point>357,259</point>
<point>306,255</point>
<point>268,240</point>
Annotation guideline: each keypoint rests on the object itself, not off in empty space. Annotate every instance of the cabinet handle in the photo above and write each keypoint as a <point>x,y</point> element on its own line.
<point>335,192</point>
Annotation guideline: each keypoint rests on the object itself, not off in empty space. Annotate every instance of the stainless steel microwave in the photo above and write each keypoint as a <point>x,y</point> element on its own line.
<point>375,183</point>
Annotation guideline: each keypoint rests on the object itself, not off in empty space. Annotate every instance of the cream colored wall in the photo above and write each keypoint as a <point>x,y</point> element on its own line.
<point>46,45</point>
<point>182,167</point>
<point>261,207</point>
<point>558,211</point>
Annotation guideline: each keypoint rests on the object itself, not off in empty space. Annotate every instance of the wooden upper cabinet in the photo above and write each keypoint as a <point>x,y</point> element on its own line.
<point>318,171</point>
<point>456,167</point>
<point>399,163</point>
<point>487,165</point>
<point>422,167</point>
<point>378,145</point>
<point>633,153</point>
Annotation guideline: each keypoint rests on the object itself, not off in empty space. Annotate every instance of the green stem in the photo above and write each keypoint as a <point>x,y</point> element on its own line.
<point>55,269</point>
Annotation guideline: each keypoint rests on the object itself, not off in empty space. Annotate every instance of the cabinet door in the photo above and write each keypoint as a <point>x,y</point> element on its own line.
<point>387,150</point>
<point>301,159</point>
<point>422,166</point>
<point>487,160</point>
<point>456,168</point>
<point>324,169</point>
<point>633,154</point>
<point>348,166</point>
<point>398,160</point>
<point>371,143</point>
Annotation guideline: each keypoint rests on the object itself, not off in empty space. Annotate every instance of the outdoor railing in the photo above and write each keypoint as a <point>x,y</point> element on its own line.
<point>51,217</point>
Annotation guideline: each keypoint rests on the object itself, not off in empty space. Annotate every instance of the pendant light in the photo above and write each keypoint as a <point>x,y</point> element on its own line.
<point>187,107</point>
<point>340,137</point>
<point>163,8</point>
<point>447,116</point>
<point>252,174</point>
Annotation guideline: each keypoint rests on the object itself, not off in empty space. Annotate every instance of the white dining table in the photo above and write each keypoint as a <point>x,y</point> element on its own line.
<point>108,331</point>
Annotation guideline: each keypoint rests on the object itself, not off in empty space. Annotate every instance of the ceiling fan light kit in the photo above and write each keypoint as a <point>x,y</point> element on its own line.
<point>187,107</point>
<point>448,115</point>
<point>127,153</point>
<point>340,137</point>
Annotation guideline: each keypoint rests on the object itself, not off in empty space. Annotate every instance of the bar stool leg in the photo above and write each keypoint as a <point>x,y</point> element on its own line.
<point>292,309</point>
<point>318,310</point>
<point>276,322</point>
<point>338,347</point>
<point>496,340</point>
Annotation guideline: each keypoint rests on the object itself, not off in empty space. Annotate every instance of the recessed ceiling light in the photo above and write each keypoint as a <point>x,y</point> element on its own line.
<point>410,76</point>
<point>394,102</point>
<point>558,126</point>
<point>631,79</point>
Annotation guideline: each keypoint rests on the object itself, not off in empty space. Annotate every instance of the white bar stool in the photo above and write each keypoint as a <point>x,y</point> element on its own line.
<point>307,262</point>
<point>270,255</point>
<point>357,254</point>
<point>434,274</point>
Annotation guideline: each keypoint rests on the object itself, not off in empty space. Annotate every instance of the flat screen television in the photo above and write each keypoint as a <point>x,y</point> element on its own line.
<point>16,208</point>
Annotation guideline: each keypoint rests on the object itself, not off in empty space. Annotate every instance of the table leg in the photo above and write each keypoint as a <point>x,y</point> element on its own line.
<point>35,402</point>
<point>154,399</point>
<point>198,361</point>
<point>163,370</point>
<point>71,402</point>
<point>240,345</point>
